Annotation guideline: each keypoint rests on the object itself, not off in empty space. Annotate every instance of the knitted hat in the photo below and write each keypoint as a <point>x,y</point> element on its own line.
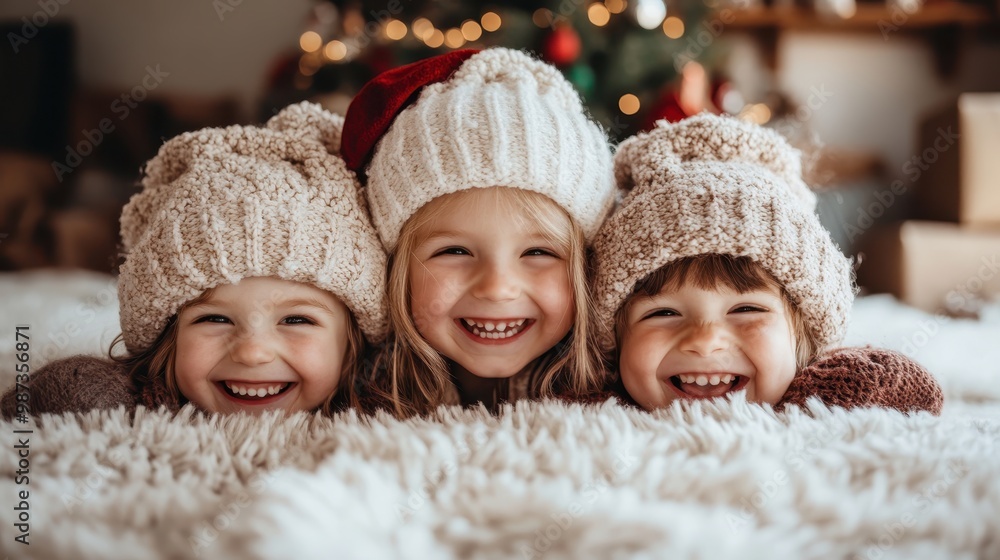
<point>481,119</point>
<point>222,204</point>
<point>712,184</point>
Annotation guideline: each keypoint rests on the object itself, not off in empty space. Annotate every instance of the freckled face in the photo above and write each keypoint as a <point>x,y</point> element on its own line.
<point>488,289</point>
<point>697,343</point>
<point>261,344</point>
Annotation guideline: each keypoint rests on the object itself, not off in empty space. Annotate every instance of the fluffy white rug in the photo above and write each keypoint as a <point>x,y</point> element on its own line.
<point>544,480</point>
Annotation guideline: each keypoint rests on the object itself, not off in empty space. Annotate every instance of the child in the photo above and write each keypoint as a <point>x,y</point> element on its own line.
<point>718,277</point>
<point>485,177</point>
<point>253,279</point>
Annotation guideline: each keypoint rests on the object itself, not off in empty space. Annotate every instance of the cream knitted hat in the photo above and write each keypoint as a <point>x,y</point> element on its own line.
<point>712,184</point>
<point>498,117</point>
<point>222,204</point>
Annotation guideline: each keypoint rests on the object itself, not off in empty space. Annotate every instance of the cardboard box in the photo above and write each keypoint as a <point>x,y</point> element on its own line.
<point>956,165</point>
<point>935,266</point>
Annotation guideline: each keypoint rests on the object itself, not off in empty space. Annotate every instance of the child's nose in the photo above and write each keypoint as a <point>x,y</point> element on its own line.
<point>252,349</point>
<point>496,283</point>
<point>704,339</point>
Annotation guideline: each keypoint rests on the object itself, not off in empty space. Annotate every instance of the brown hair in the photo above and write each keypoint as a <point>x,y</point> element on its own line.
<point>709,271</point>
<point>155,365</point>
<point>418,376</point>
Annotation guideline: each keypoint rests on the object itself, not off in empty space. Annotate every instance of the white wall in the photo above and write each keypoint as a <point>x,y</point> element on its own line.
<point>205,54</point>
<point>881,88</point>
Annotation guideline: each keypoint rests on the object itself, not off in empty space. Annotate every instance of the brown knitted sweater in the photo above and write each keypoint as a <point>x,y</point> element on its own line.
<point>849,377</point>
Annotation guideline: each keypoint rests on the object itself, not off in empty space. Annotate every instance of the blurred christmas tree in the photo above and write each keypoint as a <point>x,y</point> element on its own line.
<point>624,56</point>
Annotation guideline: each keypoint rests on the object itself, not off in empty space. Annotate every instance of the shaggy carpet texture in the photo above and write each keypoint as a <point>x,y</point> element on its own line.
<point>726,479</point>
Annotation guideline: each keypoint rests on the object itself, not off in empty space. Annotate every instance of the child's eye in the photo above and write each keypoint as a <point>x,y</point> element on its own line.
<point>453,251</point>
<point>221,319</point>
<point>297,320</point>
<point>539,252</point>
<point>749,309</point>
<point>667,312</point>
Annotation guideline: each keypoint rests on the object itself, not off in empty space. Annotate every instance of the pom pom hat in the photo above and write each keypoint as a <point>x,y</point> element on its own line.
<point>222,204</point>
<point>712,184</point>
<point>472,119</point>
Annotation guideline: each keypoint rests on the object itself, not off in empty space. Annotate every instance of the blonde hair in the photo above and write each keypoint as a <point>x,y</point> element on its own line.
<point>418,376</point>
<point>155,364</point>
<point>709,271</point>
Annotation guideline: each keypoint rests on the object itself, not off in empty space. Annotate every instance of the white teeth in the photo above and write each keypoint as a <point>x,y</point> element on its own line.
<point>501,326</point>
<point>702,380</point>
<point>480,325</point>
<point>708,379</point>
<point>727,378</point>
<point>490,326</point>
<point>494,331</point>
<point>482,334</point>
<point>714,379</point>
<point>254,391</point>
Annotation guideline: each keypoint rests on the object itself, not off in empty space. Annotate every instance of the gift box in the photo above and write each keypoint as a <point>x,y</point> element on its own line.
<point>956,167</point>
<point>935,266</point>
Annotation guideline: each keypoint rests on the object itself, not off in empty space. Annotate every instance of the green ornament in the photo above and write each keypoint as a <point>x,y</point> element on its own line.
<point>582,76</point>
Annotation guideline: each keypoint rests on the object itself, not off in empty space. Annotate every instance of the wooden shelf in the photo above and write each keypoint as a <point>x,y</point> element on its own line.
<point>866,18</point>
<point>944,25</point>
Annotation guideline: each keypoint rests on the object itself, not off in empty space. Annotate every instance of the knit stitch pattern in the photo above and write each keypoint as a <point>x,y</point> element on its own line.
<point>502,119</point>
<point>713,184</point>
<point>222,204</point>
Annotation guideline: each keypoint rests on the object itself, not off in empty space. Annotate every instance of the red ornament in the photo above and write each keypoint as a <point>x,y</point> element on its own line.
<point>562,46</point>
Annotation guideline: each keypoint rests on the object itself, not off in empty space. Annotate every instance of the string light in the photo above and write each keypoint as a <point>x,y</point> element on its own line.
<point>673,27</point>
<point>471,30</point>
<point>629,104</point>
<point>395,29</point>
<point>436,39</point>
<point>491,21</point>
<point>542,17</point>
<point>650,13</point>
<point>335,50</point>
<point>422,28</point>
<point>310,41</point>
<point>453,38</point>
<point>598,14</point>
<point>616,6</point>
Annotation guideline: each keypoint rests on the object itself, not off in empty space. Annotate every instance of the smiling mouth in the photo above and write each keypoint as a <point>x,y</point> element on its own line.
<point>254,392</point>
<point>495,330</point>
<point>707,385</point>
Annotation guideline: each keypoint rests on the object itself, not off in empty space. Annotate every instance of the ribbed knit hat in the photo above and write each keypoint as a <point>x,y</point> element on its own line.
<point>481,119</point>
<point>713,184</point>
<point>222,204</point>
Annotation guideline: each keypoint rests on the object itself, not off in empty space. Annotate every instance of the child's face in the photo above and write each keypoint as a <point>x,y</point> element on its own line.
<point>487,289</point>
<point>261,344</point>
<point>698,343</point>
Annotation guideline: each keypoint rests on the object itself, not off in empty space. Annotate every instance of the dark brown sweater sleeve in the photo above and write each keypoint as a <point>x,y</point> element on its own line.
<point>866,377</point>
<point>75,384</point>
